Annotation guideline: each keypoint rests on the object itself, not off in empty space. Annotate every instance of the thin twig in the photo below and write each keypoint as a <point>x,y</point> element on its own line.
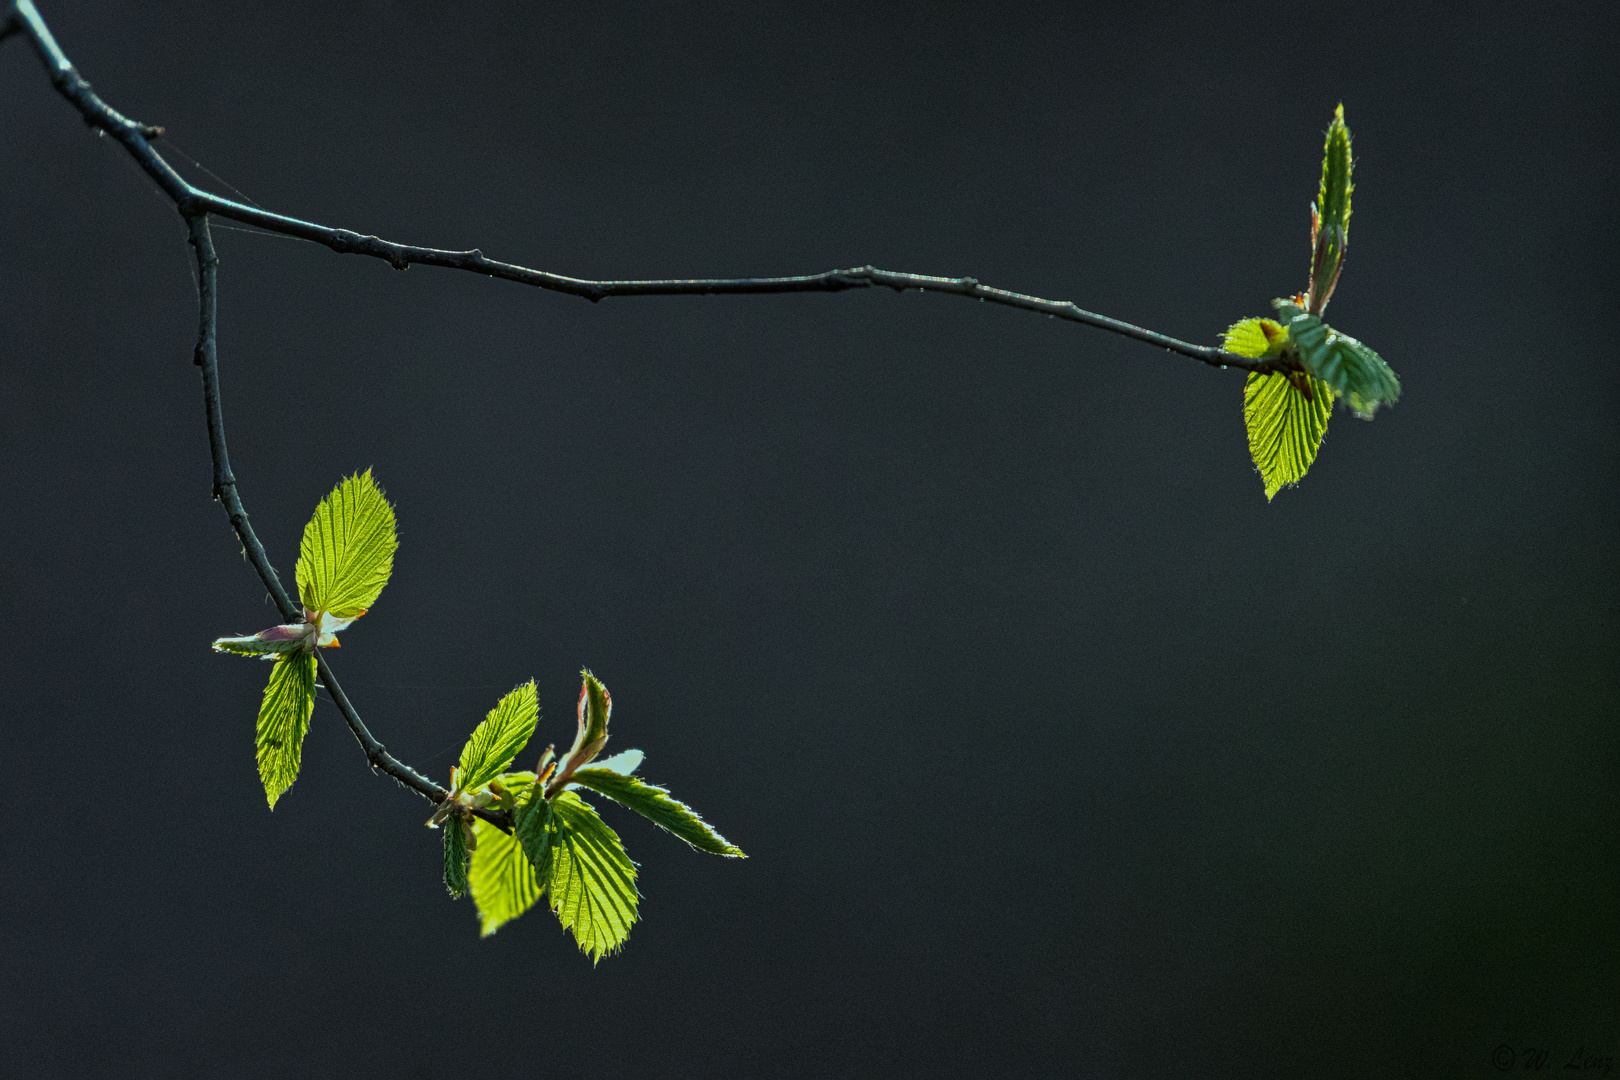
<point>206,357</point>
<point>191,199</point>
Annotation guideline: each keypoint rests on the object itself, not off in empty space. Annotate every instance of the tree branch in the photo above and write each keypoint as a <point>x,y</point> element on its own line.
<point>193,200</point>
<point>206,357</point>
<point>196,205</point>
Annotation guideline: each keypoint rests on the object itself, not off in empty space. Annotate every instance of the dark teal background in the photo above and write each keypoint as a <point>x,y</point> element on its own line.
<point>1057,751</point>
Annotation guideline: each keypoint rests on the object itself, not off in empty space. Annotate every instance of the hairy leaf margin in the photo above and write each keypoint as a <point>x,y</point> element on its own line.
<point>497,740</point>
<point>658,806</point>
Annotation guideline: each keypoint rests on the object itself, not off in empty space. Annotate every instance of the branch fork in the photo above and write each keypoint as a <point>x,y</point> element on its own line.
<point>305,630</point>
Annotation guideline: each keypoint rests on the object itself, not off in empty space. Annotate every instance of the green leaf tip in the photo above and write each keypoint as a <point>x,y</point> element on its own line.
<point>347,553</point>
<point>658,806</point>
<point>1333,194</point>
<point>497,740</point>
<point>284,714</point>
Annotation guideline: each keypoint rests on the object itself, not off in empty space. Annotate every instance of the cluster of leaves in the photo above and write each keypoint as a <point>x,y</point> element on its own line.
<point>558,845</point>
<point>345,559</point>
<point>1287,410</point>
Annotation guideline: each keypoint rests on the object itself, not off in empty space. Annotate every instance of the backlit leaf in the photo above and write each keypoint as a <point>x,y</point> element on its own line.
<point>284,714</point>
<point>1285,429</point>
<point>1333,194</point>
<point>496,741</point>
<point>593,882</point>
<point>348,548</point>
<point>1262,339</point>
<point>658,806</point>
<point>1355,372</point>
<point>502,879</point>
<point>1330,234</point>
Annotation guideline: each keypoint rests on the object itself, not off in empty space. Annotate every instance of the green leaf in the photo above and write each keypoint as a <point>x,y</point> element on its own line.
<point>254,645</point>
<point>284,721</point>
<point>1263,339</point>
<point>595,710</point>
<point>455,859</point>
<point>496,741</point>
<point>1285,429</point>
<point>1333,194</point>
<point>503,881</point>
<point>592,881</point>
<point>657,806</point>
<point>1330,224</point>
<point>1369,381</point>
<point>348,549</point>
<point>1354,371</point>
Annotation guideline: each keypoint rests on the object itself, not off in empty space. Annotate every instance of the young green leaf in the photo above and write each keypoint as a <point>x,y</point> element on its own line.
<point>348,549</point>
<point>284,714</point>
<point>1355,372</point>
<point>1263,339</point>
<point>1330,222</point>
<point>496,741</point>
<point>1333,195</point>
<point>455,859</point>
<point>502,879</point>
<point>1285,429</point>
<point>1370,382</point>
<point>256,645</point>
<point>592,881</point>
<point>595,710</point>
<point>657,806</point>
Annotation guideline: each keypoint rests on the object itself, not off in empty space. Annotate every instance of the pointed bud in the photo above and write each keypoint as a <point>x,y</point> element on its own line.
<point>595,709</point>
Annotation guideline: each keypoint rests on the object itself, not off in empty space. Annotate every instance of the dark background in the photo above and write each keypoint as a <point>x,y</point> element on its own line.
<point>1056,749</point>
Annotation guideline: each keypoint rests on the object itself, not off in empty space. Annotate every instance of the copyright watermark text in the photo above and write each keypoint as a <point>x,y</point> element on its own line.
<point>1539,1058</point>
